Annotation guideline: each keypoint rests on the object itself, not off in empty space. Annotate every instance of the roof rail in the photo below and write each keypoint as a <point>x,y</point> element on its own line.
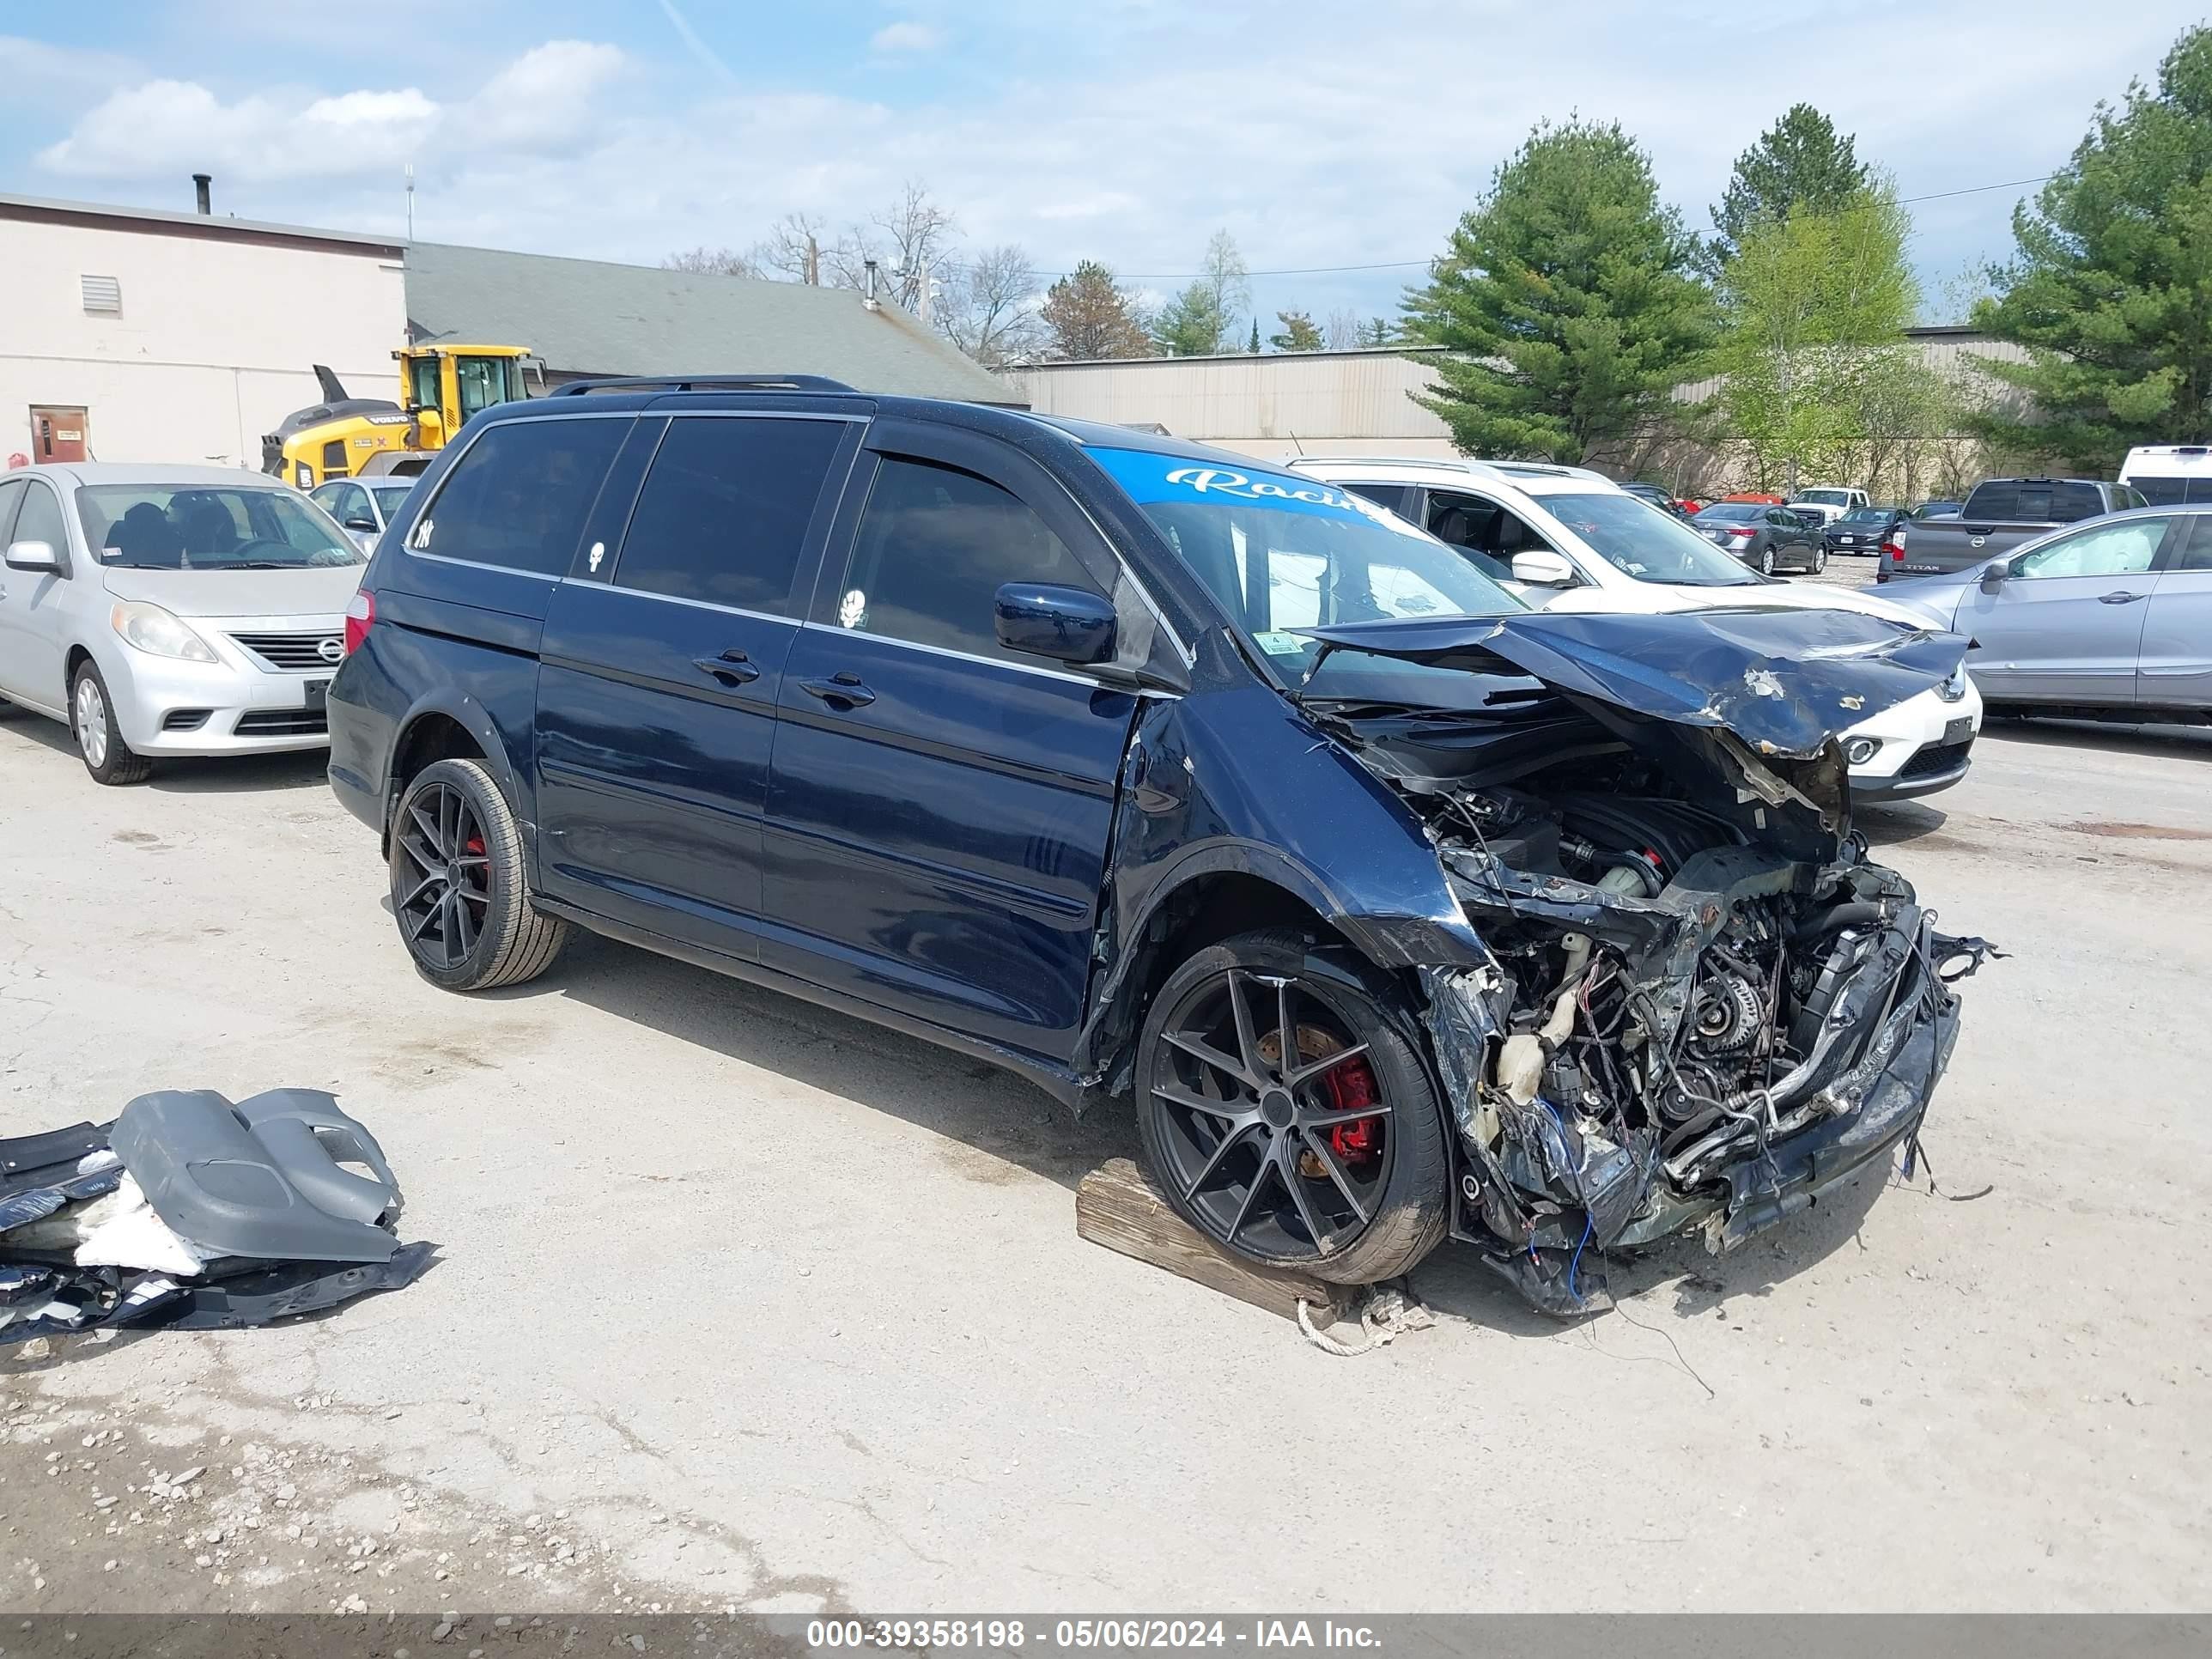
<point>703,383</point>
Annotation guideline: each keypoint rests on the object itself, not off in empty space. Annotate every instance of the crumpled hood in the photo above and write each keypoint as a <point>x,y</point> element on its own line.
<point>1784,681</point>
<point>320,592</point>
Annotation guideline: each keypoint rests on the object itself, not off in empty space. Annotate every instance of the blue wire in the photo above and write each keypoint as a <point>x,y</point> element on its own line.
<point>1589,1221</point>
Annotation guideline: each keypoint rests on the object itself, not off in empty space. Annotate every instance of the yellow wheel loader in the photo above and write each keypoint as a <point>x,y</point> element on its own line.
<point>344,437</point>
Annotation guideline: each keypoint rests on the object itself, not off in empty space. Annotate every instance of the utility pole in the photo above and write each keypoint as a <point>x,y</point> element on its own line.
<point>410,201</point>
<point>813,262</point>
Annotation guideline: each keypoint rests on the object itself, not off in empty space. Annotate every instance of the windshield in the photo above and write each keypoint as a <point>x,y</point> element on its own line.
<point>1282,553</point>
<point>1651,547</point>
<point>390,497</point>
<point>1868,515</point>
<point>1732,513</point>
<point>1823,497</point>
<point>191,527</point>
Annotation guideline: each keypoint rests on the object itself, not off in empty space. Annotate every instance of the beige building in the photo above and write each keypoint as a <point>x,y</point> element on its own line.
<point>1361,403</point>
<point>1270,408</point>
<point>129,335</point>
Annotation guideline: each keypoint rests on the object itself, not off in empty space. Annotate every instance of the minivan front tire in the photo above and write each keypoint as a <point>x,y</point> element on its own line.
<point>1344,1173</point>
<point>460,891</point>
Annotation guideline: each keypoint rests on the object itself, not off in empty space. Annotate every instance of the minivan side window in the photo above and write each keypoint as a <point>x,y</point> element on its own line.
<point>724,512</point>
<point>934,546</point>
<point>519,497</point>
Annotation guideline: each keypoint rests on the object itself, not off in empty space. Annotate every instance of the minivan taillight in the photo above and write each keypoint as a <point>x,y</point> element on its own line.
<point>360,617</point>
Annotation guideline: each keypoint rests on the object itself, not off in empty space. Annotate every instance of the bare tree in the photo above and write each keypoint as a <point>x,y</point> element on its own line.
<point>915,235</point>
<point>717,261</point>
<point>794,249</point>
<point>988,308</point>
<point>1342,328</point>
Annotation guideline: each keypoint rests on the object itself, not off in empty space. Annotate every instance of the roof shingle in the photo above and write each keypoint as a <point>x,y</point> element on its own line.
<point>590,317</point>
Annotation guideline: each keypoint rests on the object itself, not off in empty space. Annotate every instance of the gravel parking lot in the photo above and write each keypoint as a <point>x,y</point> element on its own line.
<point>743,1304</point>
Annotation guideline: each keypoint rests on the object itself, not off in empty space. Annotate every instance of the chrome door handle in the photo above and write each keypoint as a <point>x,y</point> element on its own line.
<point>731,668</point>
<point>844,689</point>
<point>2121,596</point>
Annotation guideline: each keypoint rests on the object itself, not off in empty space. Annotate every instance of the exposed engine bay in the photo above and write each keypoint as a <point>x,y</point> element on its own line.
<point>1707,1004</point>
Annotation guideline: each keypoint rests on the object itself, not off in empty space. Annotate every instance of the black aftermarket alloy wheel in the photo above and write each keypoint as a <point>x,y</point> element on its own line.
<point>1286,1114</point>
<point>459,890</point>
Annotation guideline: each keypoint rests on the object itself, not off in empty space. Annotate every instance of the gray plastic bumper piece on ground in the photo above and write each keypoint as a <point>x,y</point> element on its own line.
<point>261,1178</point>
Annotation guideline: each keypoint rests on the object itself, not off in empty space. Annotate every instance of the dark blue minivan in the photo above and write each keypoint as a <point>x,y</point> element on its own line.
<point>1155,773</point>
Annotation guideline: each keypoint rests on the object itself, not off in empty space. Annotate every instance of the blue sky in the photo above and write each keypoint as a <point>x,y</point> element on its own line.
<point>1126,130</point>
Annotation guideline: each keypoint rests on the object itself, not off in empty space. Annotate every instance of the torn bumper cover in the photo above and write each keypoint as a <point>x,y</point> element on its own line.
<point>190,1212</point>
<point>1547,1190</point>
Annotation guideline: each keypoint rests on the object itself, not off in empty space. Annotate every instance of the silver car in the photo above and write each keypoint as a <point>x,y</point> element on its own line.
<point>363,506</point>
<point>2110,618</point>
<point>170,609</point>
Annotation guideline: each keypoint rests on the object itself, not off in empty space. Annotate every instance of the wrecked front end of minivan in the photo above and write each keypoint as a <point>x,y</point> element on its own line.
<point>1704,1005</point>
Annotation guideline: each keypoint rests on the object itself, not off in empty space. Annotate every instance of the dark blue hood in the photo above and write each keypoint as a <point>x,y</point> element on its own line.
<point>1785,682</point>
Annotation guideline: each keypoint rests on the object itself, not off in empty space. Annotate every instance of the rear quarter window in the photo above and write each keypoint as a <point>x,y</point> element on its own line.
<point>519,496</point>
<point>1397,498</point>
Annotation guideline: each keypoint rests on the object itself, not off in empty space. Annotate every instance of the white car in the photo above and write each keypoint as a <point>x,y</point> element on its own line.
<point>363,506</point>
<point>1828,502</point>
<point>1566,539</point>
<point>170,609</point>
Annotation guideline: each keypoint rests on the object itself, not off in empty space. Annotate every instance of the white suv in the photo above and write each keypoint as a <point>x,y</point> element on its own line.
<point>1828,502</point>
<point>1567,538</point>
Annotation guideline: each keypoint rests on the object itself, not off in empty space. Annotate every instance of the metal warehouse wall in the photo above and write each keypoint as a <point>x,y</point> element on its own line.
<point>1345,402</point>
<point>216,342</point>
<point>1268,407</point>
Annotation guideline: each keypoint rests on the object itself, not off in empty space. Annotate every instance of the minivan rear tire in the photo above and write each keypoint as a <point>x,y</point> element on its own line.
<point>452,824</point>
<point>1352,1002</point>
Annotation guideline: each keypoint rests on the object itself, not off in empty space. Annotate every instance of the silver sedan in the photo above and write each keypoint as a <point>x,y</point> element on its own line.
<point>2110,618</point>
<point>170,610</point>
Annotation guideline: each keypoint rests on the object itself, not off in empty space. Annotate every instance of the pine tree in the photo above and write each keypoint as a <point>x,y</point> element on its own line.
<point>2111,286</point>
<point>1800,161</point>
<point>1088,315</point>
<point>1566,300</point>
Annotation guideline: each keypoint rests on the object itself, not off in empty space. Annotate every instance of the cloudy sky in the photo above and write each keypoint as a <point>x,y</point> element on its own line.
<point>1121,129</point>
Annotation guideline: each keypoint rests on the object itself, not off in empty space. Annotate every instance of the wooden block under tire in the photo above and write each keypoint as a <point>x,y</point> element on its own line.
<point>1116,1206</point>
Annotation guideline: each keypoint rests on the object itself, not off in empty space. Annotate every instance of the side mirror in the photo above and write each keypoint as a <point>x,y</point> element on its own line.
<point>1993,577</point>
<point>1543,567</point>
<point>362,521</point>
<point>32,555</point>
<point>1068,624</point>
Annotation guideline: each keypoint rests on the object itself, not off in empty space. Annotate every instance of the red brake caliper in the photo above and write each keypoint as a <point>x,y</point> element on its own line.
<point>1349,1087</point>
<point>475,845</point>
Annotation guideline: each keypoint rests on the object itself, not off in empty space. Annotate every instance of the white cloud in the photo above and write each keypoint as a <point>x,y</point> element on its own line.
<point>155,128</point>
<point>1162,123</point>
<point>548,97</point>
<point>905,37</point>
